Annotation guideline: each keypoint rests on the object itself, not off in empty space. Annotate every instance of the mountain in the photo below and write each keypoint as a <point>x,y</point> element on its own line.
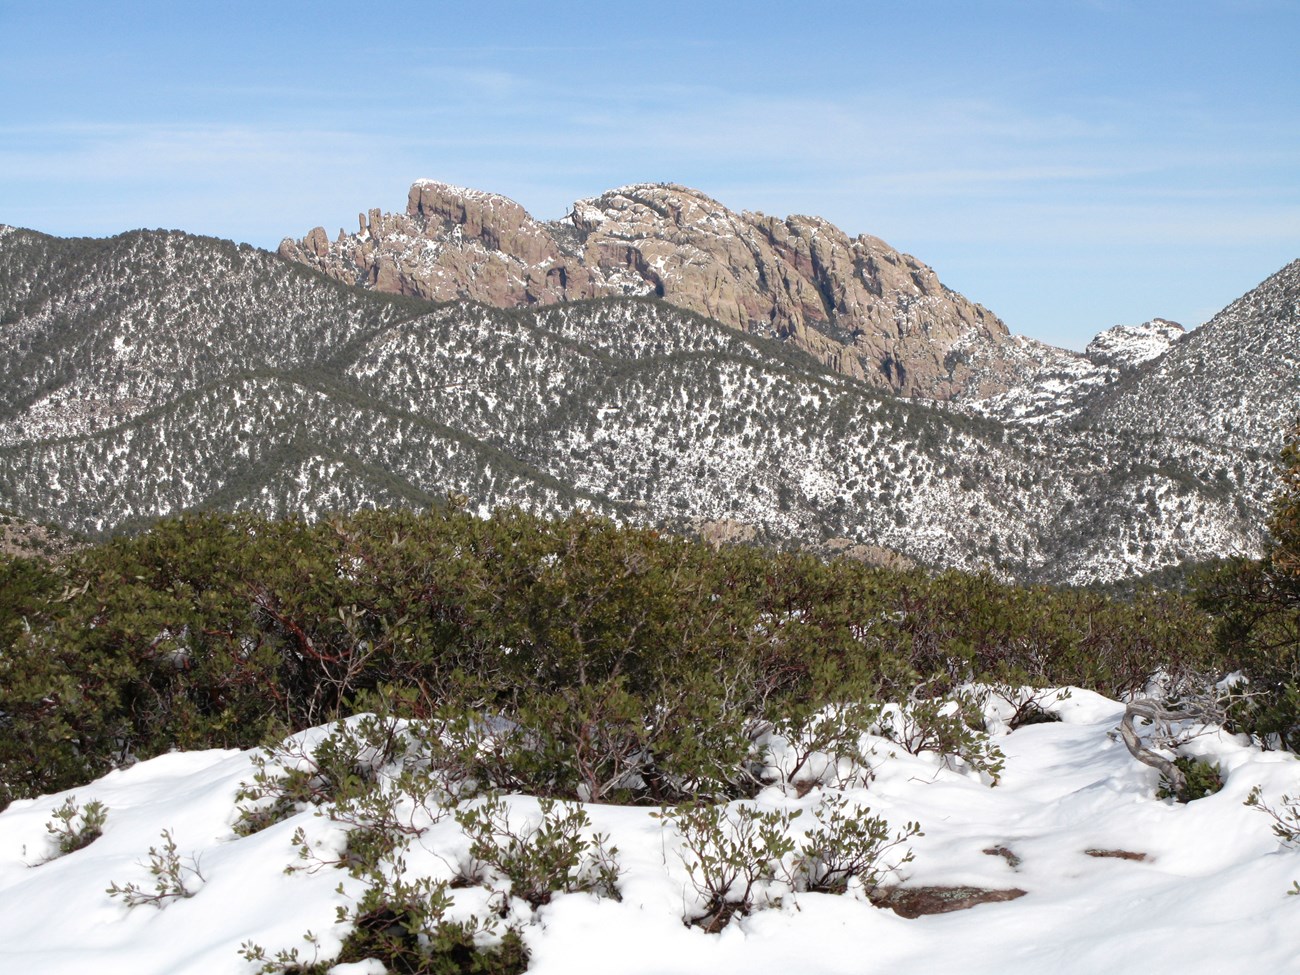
<point>1233,381</point>
<point>1051,385</point>
<point>156,371</point>
<point>856,304</point>
<point>1128,346</point>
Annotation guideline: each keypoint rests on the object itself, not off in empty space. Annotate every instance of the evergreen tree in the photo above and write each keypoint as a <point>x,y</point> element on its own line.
<point>1258,606</point>
<point>1284,559</point>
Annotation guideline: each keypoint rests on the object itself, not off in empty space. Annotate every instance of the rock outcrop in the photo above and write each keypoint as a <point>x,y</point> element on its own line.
<point>1051,385</point>
<point>856,304</point>
<point>26,539</point>
<point>1128,346</point>
<point>914,902</point>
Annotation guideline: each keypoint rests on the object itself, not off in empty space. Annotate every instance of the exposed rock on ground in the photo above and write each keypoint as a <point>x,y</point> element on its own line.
<point>913,902</point>
<point>30,540</point>
<point>1117,855</point>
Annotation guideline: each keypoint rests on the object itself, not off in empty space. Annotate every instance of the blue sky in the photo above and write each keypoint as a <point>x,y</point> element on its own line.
<point>1071,165</point>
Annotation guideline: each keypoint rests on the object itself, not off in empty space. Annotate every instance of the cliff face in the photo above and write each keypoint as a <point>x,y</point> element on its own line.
<point>856,304</point>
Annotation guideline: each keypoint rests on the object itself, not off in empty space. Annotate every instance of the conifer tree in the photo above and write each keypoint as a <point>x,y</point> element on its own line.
<point>1284,560</point>
<point>1258,605</point>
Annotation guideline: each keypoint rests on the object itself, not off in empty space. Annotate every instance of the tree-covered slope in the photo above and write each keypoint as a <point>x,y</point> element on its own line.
<point>156,372</point>
<point>1234,380</point>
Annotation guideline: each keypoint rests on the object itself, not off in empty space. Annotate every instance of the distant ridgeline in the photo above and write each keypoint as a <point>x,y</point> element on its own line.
<point>153,373</point>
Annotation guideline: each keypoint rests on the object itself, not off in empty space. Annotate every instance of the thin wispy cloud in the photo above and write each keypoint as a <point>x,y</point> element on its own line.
<point>979,140</point>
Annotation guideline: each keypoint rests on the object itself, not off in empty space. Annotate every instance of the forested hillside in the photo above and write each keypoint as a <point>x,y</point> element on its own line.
<point>156,372</point>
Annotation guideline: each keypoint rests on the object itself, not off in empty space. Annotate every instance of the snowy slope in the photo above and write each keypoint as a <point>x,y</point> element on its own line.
<point>1052,386</point>
<point>1210,895</point>
<point>154,373</point>
<point>1233,381</point>
<point>1128,346</point>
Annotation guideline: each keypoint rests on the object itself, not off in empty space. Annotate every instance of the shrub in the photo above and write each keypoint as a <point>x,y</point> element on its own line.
<point>76,827</point>
<point>1257,608</point>
<point>341,769</point>
<point>848,847</point>
<point>1200,779</point>
<point>173,878</point>
<point>26,588</point>
<point>731,855</point>
<point>1286,821</point>
<point>1028,705</point>
<point>555,854</point>
<point>571,658</point>
<point>823,747</point>
<point>739,858</point>
<point>404,924</point>
<point>286,960</point>
<point>946,726</point>
<point>409,924</point>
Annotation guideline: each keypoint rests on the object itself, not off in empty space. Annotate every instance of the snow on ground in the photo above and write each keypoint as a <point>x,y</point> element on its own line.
<point>1211,895</point>
<point>1128,346</point>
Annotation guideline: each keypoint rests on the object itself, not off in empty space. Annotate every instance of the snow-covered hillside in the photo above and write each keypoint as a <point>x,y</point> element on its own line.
<point>1235,380</point>
<point>1128,346</point>
<point>1112,877</point>
<point>1053,385</point>
<point>154,373</point>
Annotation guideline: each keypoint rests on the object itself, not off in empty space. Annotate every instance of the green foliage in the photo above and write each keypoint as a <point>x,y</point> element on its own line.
<point>285,960</point>
<point>1029,705</point>
<point>572,659</point>
<point>1202,778</point>
<point>1286,819</point>
<point>950,726</point>
<point>404,924</point>
<point>834,735</point>
<point>373,777</point>
<point>556,854</point>
<point>849,847</point>
<point>342,770</point>
<point>76,827</point>
<point>1257,609</point>
<point>731,854</point>
<point>173,878</point>
<point>26,587</point>
<point>739,858</point>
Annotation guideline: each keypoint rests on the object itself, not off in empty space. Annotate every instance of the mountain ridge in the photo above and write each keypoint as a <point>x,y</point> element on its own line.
<point>1239,372</point>
<point>856,304</point>
<point>283,392</point>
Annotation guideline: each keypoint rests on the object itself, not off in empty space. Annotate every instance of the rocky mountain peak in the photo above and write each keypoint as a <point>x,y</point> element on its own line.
<point>498,222</point>
<point>1128,346</point>
<point>678,205</point>
<point>856,304</point>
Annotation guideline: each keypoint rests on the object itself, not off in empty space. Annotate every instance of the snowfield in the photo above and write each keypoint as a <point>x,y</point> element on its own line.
<point>1210,895</point>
